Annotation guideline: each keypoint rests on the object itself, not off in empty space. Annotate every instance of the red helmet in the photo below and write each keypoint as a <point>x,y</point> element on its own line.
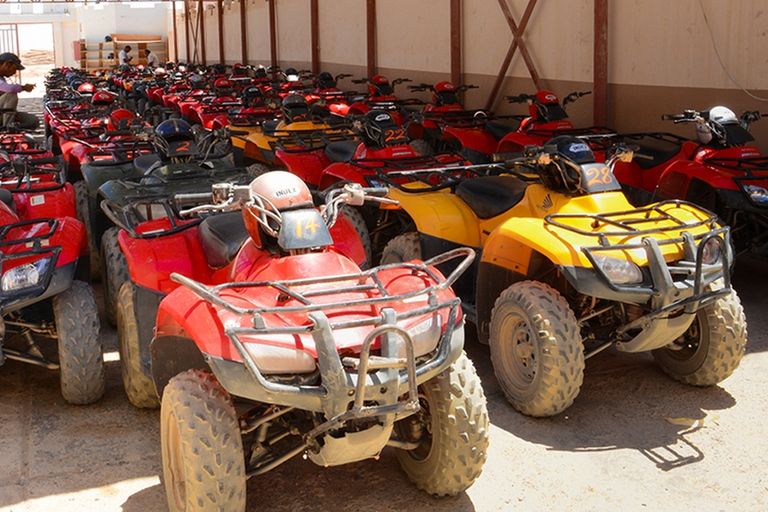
<point>120,119</point>
<point>272,193</point>
<point>86,88</point>
<point>380,86</point>
<point>140,67</point>
<point>102,98</point>
<point>223,83</point>
<point>445,87</point>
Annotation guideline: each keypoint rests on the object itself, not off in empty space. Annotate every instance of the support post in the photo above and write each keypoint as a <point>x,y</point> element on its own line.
<point>600,86</point>
<point>201,28</point>
<point>315,36</point>
<point>243,34</point>
<point>456,78</point>
<point>186,26</point>
<point>273,33</point>
<point>220,17</point>
<point>370,14</point>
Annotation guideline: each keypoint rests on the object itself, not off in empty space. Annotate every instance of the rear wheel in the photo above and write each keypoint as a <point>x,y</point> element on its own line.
<point>79,343</point>
<point>712,347</point>
<point>536,349</point>
<point>139,388</point>
<point>202,449</point>
<point>114,273</point>
<point>82,205</point>
<point>257,170</point>
<point>402,248</point>
<point>452,427</point>
<point>422,147</point>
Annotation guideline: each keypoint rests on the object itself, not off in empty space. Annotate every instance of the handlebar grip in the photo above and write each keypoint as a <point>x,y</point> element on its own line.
<point>375,191</point>
<point>199,197</point>
<point>671,117</point>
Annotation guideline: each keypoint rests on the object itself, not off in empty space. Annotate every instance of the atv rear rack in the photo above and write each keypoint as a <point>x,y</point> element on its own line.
<point>130,216</point>
<point>443,176</point>
<point>311,140</point>
<point>28,172</point>
<point>117,152</point>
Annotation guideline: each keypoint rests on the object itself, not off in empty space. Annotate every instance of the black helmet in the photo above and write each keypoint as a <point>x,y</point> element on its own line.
<point>252,96</point>
<point>295,108</point>
<point>325,80</point>
<point>380,130</point>
<point>564,171</point>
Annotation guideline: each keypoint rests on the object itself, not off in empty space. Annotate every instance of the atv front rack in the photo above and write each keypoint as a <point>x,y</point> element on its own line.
<point>337,386</point>
<point>35,246</point>
<point>663,276</point>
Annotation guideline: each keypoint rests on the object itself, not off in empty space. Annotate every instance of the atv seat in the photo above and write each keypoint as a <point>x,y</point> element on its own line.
<point>655,152</point>
<point>7,197</point>
<point>144,162</point>
<point>269,127</point>
<point>341,151</point>
<point>489,196</point>
<point>221,237</point>
<point>498,130</point>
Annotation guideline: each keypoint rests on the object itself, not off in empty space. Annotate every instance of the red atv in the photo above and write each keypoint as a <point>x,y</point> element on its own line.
<point>443,125</point>
<point>547,119</point>
<point>155,240</point>
<point>722,173</point>
<point>381,96</point>
<point>43,289</point>
<point>291,349</point>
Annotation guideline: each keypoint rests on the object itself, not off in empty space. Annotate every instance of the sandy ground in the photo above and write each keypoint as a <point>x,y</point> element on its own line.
<point>634,440</point>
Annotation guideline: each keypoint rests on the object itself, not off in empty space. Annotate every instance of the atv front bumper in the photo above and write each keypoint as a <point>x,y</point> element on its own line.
<point>673,293</point>
<point>387,391</point>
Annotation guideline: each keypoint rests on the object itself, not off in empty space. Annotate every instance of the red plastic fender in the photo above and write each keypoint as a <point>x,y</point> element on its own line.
<point>307,165</point>
<point>53,204</point>
<point>152,260</point>
<point>475,138</point>
<point>677,177</point>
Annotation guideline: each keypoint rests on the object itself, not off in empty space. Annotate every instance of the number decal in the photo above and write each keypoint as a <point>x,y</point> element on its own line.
<point>311,226</point>
<point>601,176</point>
<point>393,135</point>
<point>184,146</point>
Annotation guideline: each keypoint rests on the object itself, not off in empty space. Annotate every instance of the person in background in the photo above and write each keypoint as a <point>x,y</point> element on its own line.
<point>9,93</point>
<point>123,57</point>
<point>152,60</point>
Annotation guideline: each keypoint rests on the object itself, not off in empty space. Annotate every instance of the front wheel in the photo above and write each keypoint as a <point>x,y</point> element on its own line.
<point>79,342</point>
<point>536,349</point>
<point>114,273</point>
<point>712,347</point>
<point>402,248</point>
<point>202,449</point>
<point>83,208</point>
<point>139,388</point>
<point>452,429</point>
<point>358,222</point>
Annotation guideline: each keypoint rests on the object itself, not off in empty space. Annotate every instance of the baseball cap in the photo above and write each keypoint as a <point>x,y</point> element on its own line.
<point>11,57</point>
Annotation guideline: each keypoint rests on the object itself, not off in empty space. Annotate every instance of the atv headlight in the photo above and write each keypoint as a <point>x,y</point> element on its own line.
<point>25,276</point>
<point>271,359</point>
<point>425,336</point>
<point>757,195</point>
<point>619,271</point>
<point>711,252</point>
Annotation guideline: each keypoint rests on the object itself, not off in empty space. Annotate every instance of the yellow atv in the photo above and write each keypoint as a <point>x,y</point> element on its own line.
<point>258,147</point>
<point>568,267</point>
